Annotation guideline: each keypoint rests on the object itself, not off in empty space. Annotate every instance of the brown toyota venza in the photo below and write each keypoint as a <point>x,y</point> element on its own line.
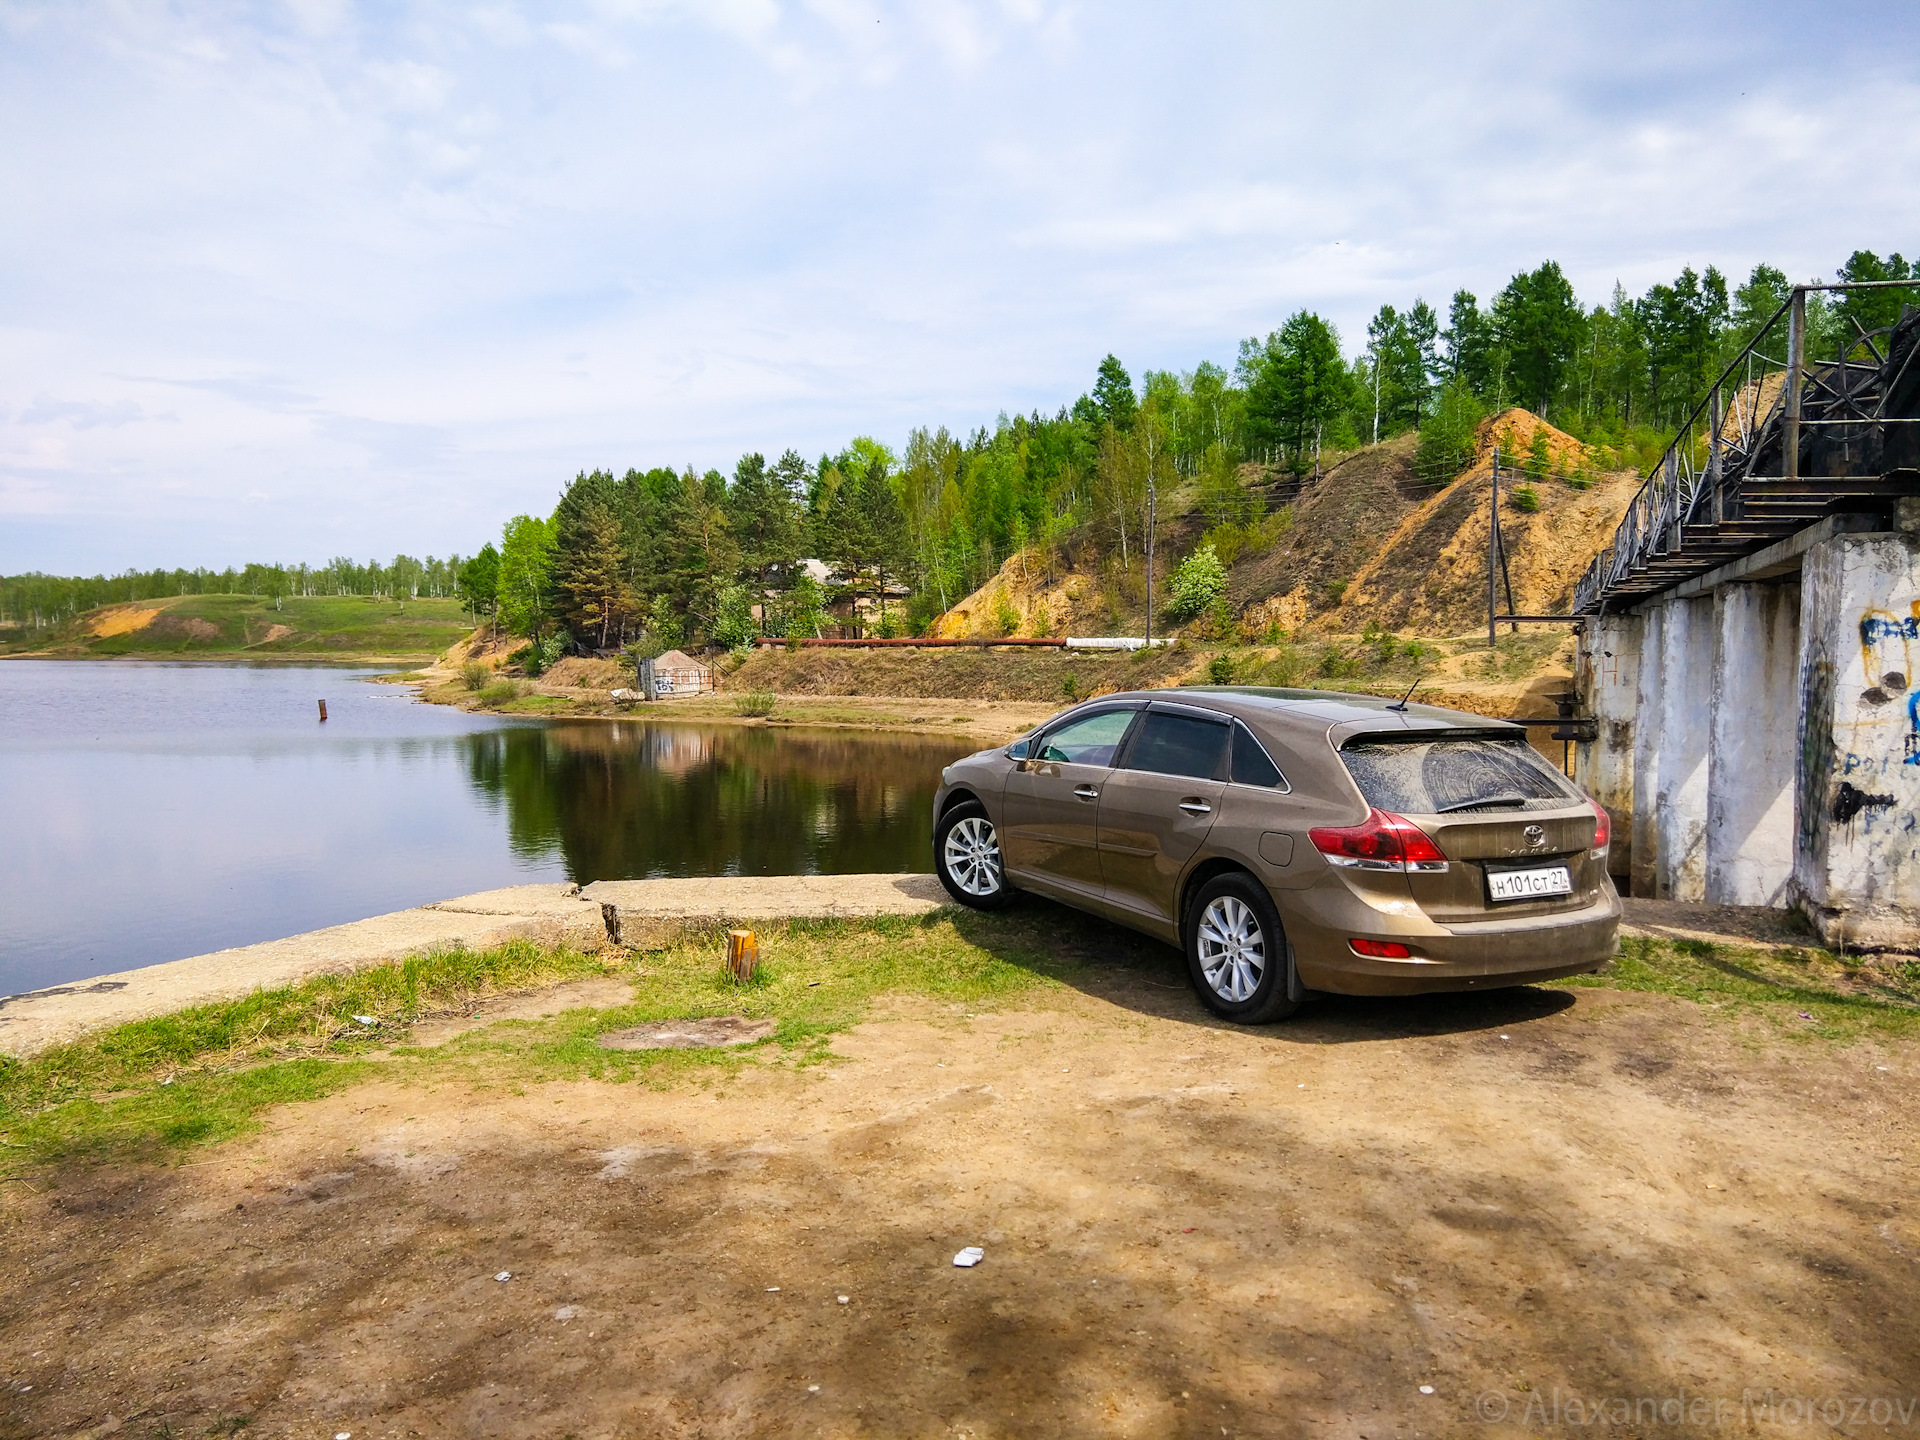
<point>1292,841</point>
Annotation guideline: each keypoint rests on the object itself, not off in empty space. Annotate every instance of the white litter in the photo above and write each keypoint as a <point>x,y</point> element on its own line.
<point>1426,1389</point>
<point>343,1435</point>
<point>504,1275</point>
<point>813,1389</point>
<point>773,1289</point>
<point>366,1019</point>
<point>843,1299</point>
<point>969,1257</point>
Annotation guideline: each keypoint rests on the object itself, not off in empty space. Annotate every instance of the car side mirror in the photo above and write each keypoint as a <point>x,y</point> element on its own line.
<point>1020,751</point>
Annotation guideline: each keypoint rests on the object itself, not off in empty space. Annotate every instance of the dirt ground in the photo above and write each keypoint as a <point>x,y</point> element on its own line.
<point>1534,1202</point>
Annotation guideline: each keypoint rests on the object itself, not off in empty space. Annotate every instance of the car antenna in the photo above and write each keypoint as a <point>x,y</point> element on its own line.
<point>1401,703</point>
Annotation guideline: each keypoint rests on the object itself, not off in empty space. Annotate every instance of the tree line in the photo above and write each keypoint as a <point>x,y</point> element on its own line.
<point>672,557</point>
<point>667,557</point>
<point>40,600</point>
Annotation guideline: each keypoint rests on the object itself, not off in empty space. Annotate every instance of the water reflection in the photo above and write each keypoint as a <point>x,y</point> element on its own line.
<point>645,799</point>
<point>151,811</point>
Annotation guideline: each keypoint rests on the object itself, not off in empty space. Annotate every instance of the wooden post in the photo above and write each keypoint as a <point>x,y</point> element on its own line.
<point>1493,546</point>
<point>743,955</point>
<point>323,712</point>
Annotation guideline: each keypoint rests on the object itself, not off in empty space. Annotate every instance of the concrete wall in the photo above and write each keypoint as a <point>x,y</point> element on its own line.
<point>1756,685</point>
<point>1857,865</point>
<point>1646,750</point>
<point>1607,676</point>
<point>1759,737</point>
<point>1683,766</point>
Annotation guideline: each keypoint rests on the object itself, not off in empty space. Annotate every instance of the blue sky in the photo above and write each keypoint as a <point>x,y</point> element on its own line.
<point>294,280</point>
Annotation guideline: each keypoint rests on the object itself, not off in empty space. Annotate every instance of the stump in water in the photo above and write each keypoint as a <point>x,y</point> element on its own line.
<point>743,955</point>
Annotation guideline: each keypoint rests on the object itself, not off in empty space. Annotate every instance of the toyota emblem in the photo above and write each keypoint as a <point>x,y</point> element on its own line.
<point>1536,834</point>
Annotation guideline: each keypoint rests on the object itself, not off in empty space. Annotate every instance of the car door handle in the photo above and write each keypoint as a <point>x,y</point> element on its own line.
<point>1086,792</point>
<point>1196,807</point>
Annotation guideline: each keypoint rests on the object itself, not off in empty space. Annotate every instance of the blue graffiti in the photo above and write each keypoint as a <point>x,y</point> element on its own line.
<point>1879,627</point>
<point>1913,728</point>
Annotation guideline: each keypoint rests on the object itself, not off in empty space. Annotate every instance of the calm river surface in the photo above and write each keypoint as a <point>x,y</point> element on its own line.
<point>150,811</point>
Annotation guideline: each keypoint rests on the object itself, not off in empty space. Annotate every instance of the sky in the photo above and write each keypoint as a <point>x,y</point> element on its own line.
<point>284,281</point>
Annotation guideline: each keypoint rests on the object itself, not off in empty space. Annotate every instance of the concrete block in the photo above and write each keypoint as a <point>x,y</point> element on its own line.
<point>1756,684</point>
<point>1857,855</point>
<point>1646,751</point>
<point>1684,762</point>
<point>654,914</point>
<point>1607,678</point>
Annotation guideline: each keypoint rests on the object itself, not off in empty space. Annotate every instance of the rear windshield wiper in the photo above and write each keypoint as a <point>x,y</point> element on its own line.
<point>1486,804</point>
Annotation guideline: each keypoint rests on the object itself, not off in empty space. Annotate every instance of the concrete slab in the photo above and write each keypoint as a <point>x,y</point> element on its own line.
<point>644,914</point>
<point>550,913</point>
<point>653,914</point>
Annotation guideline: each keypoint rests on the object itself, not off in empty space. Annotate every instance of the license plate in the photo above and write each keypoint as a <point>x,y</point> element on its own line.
<point>1529,884</point>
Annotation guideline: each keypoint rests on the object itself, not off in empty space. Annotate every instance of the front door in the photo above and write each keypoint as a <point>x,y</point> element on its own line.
<point>1156,810</point>
<point>1050,808</point>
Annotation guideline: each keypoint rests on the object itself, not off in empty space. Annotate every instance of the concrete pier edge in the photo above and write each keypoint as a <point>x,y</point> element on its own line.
<point>638,914</point>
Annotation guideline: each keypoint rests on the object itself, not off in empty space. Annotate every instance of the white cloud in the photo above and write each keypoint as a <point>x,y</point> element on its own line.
<point>403,270</point>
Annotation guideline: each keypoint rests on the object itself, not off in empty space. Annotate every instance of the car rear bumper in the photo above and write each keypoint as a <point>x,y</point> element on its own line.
<point>1484,955</point>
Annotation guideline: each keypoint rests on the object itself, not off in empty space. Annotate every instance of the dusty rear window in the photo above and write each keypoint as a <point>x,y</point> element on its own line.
<point>1467,775</point>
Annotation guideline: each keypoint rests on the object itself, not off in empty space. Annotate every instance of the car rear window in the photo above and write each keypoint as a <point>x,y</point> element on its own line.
<point>1179,745</point>
<point>1464,775</point>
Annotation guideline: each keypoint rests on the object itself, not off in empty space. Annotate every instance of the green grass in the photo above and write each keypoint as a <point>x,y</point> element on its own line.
<point>241,626</point>
<point>1795,991</point>
<point>201,1073</point>
<point>155,1086</point>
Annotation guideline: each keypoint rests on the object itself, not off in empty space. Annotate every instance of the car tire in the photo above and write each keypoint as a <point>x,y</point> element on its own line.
<point>1237,952</point>
<point>966,855</point>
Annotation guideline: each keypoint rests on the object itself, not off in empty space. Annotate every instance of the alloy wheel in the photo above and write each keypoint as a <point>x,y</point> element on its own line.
<point>1233,948</point>
<point>972,854</point>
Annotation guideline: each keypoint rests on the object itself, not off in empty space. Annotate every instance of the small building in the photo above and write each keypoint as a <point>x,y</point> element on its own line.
<point>686,674</point>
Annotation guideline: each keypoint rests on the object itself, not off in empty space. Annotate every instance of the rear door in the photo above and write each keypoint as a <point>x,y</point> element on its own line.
<point>1159,804</point>
<point>1050,808</point>
<point>1517,834</point>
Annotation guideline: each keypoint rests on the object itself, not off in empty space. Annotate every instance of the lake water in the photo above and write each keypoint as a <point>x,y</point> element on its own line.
<point>151,811</point>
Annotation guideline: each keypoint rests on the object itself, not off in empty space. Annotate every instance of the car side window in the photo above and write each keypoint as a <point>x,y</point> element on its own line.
<point>1092,741</point>
<point>1170,744</point>
<point>1251,763</point>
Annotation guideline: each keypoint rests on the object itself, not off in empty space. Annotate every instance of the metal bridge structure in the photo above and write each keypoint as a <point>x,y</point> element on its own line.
<point>1749,643</point>
<point>1776,445</point>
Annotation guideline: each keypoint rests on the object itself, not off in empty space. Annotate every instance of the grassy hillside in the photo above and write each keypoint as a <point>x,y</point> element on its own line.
<point>347,627</point>
<point>1370,547</point>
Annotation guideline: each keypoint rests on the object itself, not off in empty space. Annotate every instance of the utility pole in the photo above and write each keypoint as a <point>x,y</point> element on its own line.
<point>1376,395</point>
<point>1493,546</point>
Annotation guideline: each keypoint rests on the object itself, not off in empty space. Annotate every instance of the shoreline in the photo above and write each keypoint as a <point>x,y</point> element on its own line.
<point>629,914</point>
<point>368,662</point>
<point>611,915</point>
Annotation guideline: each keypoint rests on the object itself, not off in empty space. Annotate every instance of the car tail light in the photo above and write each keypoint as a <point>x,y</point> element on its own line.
<point>1384,841</point>
<point>1380,949</point>
<point>1602,827</point>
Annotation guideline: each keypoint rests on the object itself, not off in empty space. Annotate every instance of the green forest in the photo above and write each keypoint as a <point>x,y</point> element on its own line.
<point>664,557</point>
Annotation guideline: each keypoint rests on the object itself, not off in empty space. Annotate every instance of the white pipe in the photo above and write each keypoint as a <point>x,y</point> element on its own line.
<point>1115,642</point>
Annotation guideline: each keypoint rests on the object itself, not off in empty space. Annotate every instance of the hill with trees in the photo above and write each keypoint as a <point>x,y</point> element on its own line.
<point>1288,481</point>
<point>1274,458</point>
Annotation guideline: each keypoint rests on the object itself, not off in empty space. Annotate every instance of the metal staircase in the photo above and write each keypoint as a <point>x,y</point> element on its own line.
<point>1800,440</point>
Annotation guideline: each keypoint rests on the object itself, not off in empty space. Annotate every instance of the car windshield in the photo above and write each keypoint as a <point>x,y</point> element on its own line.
<point>1464,775</point>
